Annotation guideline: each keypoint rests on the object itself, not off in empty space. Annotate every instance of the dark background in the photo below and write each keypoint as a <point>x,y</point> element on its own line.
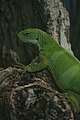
<point>73,6</point>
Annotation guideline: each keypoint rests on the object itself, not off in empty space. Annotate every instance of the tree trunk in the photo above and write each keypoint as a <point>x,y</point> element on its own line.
<point>25,96</point>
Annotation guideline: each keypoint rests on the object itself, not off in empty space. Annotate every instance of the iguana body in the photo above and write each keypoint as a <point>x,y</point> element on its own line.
<point>64,68</point>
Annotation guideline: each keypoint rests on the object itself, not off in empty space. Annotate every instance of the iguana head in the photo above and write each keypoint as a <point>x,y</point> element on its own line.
<point>30,35</point>
<point>36,37</point>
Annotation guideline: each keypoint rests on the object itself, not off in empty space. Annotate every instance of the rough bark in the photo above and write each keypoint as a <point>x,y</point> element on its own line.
<point>58,24</point>
<point>25,96</point>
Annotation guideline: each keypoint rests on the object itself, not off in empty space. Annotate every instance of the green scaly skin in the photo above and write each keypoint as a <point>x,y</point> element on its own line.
<point>64,67</point>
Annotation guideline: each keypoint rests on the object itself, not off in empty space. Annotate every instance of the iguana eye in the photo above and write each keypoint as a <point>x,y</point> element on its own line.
<point>27,33</point>
<point>37,38</point>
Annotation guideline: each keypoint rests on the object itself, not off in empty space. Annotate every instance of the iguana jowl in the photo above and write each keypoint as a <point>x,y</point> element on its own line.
<point>64,67</point>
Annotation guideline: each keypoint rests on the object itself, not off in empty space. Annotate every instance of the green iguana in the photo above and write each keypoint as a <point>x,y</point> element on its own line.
<point>64,67</point>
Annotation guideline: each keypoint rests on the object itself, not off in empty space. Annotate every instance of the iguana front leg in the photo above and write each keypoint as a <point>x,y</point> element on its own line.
<point>37,67</point>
